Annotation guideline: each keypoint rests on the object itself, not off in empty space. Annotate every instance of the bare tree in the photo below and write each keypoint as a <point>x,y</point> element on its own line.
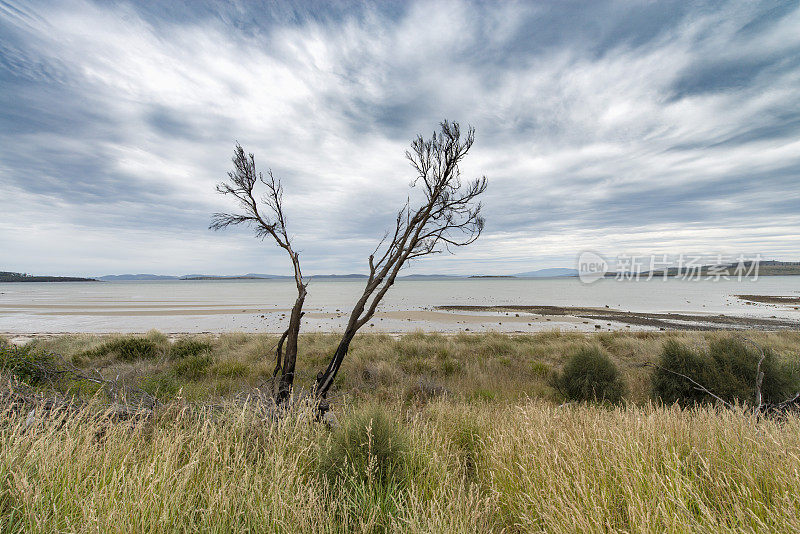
<point>449,216</point>
<point>242,183</point>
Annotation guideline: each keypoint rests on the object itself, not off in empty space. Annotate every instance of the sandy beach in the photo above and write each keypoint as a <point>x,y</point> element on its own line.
<point>508,305</point>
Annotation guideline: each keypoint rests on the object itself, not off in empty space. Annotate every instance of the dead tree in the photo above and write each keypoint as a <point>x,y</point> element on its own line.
<point>241,184</point>
<point>447,217</point>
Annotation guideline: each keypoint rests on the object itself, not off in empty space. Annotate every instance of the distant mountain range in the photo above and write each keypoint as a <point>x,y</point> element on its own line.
<point>766,268</point>
<point>117,277</point>
<point>541,273</point>
<point>556,272</point>
<point>248,276</point>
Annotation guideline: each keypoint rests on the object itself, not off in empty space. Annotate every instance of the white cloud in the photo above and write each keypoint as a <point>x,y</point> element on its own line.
<point>585,145</point>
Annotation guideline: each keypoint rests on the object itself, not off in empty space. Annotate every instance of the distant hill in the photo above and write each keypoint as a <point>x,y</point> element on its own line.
<point>118,277</point>
<point>248,276</point>
<point>258,275</point>
<point>766,268</point>
<point>255,276</point>
<point>339,276</point>
<point>746,269</point>
<point>555,272</point>
<point>430,277</point>
<point>210,277</point>
<point>22,277</point>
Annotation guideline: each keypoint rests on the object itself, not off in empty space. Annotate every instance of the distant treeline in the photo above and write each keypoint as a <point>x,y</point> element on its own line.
<point>23,277</point>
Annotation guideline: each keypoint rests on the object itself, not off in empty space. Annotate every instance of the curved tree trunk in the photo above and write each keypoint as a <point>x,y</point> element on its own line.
<point>284,386</point>
<point>325,379</point>
<point>449,217</point>
<point>241,183</point>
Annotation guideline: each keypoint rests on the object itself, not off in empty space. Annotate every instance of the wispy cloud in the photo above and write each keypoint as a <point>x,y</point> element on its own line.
<point>659,127</point>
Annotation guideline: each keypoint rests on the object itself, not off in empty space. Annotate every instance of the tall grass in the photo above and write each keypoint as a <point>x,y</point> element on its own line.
<point>478,367</point>
<point>526,467</point>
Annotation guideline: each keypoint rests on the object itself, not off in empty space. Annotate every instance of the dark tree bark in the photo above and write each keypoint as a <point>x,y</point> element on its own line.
<point>241,184</point>
<point>448,216</point>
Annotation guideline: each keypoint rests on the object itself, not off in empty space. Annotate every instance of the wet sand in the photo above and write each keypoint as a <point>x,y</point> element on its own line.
<point>771,299</point>
<point>671,321</point>
<point>166,312</point>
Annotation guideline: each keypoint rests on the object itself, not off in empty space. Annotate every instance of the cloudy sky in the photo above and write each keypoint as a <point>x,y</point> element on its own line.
<point>618,127</point>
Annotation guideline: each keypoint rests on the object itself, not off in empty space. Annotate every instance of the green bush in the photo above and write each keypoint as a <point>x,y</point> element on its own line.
<point>736,363</point>
<point>189,347</point>
<point>128,349</point>
<point>727,369</point>
<point>678,358</point>
<point>370,446</point>
<point>27,365</point>
<point>590,375</point>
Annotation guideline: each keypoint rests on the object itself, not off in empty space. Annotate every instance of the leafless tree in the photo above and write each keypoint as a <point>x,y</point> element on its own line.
<point>266,217</point>
<point>449,216</point>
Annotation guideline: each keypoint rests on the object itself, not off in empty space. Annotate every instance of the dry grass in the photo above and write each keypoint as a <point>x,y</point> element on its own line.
<point>492,455</point>
<point>471,367</point>
<point>526,467</point>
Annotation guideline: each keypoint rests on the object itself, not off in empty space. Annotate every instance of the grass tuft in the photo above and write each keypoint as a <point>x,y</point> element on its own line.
<point>128,349</point>
<point>369,446</point>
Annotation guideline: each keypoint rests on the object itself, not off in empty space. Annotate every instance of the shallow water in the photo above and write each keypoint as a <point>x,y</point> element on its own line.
<point>225,305</point>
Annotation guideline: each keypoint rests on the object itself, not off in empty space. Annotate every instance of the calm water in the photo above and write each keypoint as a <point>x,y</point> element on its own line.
<point>216,306</point>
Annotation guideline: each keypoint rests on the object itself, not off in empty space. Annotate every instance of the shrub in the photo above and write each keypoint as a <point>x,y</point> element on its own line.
<point>590,375</point>
<point>736,362</point>
<point>370,446</point>
<point>128,349</point>
<point>188,347</point>
<point>728,369</point>
<point>679,358</point>
<point>27,365</point>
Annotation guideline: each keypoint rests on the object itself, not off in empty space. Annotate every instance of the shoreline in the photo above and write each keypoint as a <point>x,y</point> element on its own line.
<point>496,306</point>
<point>661,320</point>
<point>446,320</point>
